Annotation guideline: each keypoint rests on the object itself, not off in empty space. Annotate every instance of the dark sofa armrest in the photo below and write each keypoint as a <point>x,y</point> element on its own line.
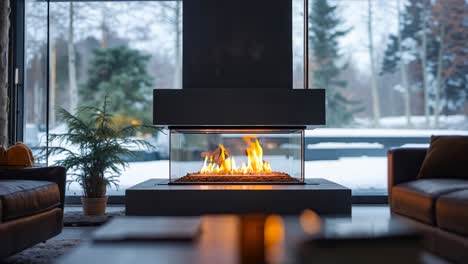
<point>52,174</point>
<point>403,165</point>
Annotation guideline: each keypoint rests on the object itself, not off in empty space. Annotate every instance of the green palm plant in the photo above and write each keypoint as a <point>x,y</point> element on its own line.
<point>101,147</point>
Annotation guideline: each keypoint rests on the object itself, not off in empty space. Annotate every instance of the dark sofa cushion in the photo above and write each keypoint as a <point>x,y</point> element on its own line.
<point>25,232</point>
<point>416,199</point>
<point>452,212</point>
<point>21,198</point>
<point>447,157</point>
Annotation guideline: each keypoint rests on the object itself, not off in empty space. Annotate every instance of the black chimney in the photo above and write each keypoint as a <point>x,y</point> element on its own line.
<point>237,44</point>
<point>237,69</point>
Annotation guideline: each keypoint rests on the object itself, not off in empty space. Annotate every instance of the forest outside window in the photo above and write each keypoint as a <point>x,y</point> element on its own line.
<point>395,72</point>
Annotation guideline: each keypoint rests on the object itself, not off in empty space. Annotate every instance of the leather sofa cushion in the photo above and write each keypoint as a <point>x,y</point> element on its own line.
<point>417,199</point>
<point>452,212</point>
<point>446,158</point>
<point>25,232</point>
<point>21,198</point>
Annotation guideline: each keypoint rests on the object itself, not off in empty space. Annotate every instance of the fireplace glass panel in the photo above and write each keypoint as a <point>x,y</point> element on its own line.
<point>236,156</point>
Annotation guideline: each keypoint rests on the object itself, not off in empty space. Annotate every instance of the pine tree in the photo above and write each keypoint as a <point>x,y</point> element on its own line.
<point>410,29</point>
<point>433,40</point>
<point>407,47</point>
<point>391,56</point>
<point>325,32</point>
<point>399,54</point>
<point>120,74</point>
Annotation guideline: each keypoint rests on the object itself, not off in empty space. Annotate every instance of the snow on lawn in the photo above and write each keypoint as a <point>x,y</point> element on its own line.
<point>339,145</point>
<point>136,172</point>
<point>379,132</point>
<point>359,174</point>
<point>356,173</point>
<point>418,122</point>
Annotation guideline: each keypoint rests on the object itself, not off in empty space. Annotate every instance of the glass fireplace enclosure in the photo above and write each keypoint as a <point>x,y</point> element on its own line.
<point>254,156</point>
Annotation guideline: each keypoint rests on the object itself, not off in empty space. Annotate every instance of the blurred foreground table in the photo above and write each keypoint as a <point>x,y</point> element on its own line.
<point>246,239</point>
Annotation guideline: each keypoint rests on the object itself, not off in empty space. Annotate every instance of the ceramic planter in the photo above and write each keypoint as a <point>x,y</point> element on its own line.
<point>94,206</point>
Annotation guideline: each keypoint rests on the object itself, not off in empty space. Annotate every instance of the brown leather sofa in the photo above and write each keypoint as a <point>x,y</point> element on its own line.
<point>437,206</point>
<point>31,207</point>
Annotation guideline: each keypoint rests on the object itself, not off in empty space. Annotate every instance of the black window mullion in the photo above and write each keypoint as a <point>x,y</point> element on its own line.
<point>16,71</point>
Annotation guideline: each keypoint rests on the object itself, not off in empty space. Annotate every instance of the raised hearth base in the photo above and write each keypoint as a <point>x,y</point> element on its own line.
<point>156,197</point>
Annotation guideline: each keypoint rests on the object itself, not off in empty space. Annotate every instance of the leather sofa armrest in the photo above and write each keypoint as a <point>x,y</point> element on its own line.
<point>51,174</point>
<point>403,165</point>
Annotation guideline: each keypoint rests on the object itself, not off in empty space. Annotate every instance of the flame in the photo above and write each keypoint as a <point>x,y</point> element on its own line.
<point>223,164</point>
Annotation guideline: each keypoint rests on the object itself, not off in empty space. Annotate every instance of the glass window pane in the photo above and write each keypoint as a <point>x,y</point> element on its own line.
<point>298,43</point>
<point>121,50</point>
<point>35,79</point>
<point>394,74</point>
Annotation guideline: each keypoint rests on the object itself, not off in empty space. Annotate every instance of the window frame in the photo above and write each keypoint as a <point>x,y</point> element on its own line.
<point>16,71</point>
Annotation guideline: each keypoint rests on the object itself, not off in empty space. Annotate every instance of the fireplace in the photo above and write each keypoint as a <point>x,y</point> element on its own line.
<point>236,156</point>
<point>237,125</point>
<point>237,136</point>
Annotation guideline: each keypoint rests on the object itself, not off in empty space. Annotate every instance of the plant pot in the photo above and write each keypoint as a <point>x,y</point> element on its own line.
<point>94,206</point>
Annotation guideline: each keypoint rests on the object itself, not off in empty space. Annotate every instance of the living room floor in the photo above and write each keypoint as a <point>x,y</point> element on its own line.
<point>359,212</point>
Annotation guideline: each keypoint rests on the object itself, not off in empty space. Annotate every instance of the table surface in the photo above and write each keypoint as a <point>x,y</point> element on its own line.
<point>218,240</point>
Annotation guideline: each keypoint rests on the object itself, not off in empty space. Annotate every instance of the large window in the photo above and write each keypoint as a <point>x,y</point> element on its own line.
<point>395,73</point>
<point>93,49</point>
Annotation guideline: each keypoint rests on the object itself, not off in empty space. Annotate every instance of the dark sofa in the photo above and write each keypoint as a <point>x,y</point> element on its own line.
<point>437,206</point>
<point>31,206</point>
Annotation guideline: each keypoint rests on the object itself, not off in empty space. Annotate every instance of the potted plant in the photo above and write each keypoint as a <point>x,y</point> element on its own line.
<point>99,158</point>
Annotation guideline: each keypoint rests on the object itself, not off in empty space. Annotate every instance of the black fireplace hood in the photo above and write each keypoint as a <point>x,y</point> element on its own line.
<point>228,48</point>
<point>231,107</point>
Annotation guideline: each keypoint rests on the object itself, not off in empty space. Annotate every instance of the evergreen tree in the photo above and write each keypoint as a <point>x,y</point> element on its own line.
<point>407,50</point>
<point>411,31</point>
<point>391,56</point>
<point>120,73</point>
<point>438,29</point>
<point>325,32</point>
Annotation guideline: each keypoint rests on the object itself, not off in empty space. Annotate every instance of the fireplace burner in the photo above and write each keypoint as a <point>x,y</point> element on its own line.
<point>236,156</point>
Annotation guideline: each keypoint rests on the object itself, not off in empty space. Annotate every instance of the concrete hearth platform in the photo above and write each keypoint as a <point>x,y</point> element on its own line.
<point>156,197</point>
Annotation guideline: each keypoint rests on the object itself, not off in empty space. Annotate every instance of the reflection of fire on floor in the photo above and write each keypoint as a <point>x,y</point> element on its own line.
<point>272,177</point>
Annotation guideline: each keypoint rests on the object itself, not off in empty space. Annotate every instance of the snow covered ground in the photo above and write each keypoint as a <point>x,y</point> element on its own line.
<point>362,174</point>
<point>458,122</point>
<point>380,132</point>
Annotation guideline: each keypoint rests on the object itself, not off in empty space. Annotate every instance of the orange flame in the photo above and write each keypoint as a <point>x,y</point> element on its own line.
<point>227,165</point>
